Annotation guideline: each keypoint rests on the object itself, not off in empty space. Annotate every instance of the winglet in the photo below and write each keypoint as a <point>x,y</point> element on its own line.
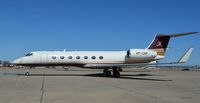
<point>186,56</point>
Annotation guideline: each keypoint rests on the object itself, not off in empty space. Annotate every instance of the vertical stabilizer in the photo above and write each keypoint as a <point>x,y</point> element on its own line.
<point>160,42</point>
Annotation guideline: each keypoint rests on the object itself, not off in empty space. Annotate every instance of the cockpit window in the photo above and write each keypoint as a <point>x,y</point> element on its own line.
<point>29,54</point>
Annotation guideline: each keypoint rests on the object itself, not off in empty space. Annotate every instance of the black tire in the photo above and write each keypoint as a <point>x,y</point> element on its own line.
<point>27,73</point>
<point>106,73</point>
<point>116,73</point>
<point>120,70</point>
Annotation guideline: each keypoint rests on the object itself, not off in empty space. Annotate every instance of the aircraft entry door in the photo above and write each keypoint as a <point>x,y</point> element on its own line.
<point>44,58</point>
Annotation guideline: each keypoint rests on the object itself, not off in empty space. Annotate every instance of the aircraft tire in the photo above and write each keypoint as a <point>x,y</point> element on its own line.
<point>27,73</point>
<point>116,73</point>
<point>106,73</point>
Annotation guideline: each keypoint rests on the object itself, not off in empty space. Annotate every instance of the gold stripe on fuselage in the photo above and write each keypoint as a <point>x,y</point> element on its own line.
<point>159,51</point>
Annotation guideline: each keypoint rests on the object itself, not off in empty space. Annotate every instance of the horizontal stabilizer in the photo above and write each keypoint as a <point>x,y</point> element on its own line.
<point>182,34</point>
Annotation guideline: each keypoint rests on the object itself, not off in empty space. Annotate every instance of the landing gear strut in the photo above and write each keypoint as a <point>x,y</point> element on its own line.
<point>106,73</point>
<point>66,68</point>
<point>28,71</point>
<point>115,72</point>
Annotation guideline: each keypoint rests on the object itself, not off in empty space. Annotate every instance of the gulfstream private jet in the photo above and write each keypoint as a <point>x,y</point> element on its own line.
<point>106,60</point>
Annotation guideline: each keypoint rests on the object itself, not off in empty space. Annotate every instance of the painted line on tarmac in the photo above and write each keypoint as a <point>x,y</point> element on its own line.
<point>9,74</point>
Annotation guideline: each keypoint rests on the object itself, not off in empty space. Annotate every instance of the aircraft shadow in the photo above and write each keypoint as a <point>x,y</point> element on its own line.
<point>131,76</point>
<point>100,75</point>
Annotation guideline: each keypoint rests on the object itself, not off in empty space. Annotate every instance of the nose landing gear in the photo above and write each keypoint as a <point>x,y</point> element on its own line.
<point>27,73</point>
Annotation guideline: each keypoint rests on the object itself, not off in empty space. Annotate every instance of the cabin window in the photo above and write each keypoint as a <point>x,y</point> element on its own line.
<point>93,57</point>
<point>53,57</point>
<point>85,57</point>
<point>62,57</point>
<point>100,57</point>
<point>69,57</point>
<point>78,57</point>
<point>29,54</point>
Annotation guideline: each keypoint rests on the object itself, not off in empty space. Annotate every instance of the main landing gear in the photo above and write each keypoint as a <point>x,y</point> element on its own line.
<point>115,71</point>
<point>106,73</point>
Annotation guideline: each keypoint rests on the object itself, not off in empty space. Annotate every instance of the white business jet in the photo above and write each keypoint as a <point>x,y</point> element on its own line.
<point>107,60</point>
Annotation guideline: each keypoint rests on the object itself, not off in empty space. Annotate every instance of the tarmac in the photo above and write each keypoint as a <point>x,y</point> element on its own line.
<point>89,86</point>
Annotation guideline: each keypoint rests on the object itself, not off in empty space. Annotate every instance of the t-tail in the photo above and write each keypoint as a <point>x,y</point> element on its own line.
<point>160,42</point>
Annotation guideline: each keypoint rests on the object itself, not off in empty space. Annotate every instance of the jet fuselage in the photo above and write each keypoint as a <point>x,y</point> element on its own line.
<point>80,58</point>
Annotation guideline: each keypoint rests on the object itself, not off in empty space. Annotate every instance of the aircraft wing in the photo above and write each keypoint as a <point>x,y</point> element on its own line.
<point>183,59</point>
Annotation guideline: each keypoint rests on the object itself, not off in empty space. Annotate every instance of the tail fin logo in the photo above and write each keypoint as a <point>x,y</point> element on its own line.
<point>159,44</point>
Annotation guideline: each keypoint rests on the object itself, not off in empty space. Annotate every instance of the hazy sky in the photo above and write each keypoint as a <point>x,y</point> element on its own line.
<point>32,25</point>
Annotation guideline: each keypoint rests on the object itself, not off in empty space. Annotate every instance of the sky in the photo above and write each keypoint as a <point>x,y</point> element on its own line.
<point>44,25</point>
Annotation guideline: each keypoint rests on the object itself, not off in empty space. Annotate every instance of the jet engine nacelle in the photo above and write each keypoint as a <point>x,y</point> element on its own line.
<point>140,55</point>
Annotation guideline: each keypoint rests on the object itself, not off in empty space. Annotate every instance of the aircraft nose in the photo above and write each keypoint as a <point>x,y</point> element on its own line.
<point>17,61</point>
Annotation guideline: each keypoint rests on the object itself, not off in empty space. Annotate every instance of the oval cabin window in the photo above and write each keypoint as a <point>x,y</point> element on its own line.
<point>62,57</point>
<point>53,57</point>
<point>93,57</point>
<point>85,57</point>
<point>69,57</point>
<point>100,57</point>
<point>78,57</point>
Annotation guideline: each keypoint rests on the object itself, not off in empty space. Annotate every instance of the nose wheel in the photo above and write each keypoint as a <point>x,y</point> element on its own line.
<point>27,73</point>
<point>65,68</point>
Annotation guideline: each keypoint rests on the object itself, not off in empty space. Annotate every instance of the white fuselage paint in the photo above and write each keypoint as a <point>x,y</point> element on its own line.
<point>101,57</point>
